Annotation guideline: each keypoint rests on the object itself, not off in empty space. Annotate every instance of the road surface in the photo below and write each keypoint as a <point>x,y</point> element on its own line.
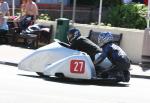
<point>18,86</point>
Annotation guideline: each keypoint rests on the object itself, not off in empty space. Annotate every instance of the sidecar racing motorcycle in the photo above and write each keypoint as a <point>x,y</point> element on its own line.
<point>57,60</point>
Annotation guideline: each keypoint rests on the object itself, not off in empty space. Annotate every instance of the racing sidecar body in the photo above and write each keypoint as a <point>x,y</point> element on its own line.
<point>57,60</point>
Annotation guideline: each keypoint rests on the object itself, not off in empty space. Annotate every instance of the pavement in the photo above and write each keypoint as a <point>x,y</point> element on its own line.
<point>11,55</point>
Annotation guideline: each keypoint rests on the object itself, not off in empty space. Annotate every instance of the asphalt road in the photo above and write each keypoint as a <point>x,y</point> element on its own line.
<point>26,87</point>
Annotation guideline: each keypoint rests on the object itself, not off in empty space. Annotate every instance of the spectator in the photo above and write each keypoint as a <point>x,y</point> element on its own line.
<point>146,2</point>
<point>31,12</point>
<point>31,9</point>
<point>4,8</point>
<point>22,15</point>
<point>3,24</point>
<point>23,7</point>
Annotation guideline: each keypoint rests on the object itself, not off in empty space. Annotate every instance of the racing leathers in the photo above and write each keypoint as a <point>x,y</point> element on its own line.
<point>116,55</point>
<point>85,45</point>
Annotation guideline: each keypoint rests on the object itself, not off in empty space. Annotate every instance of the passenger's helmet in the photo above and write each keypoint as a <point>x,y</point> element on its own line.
<point>104,37</point>
<point>73,34</point>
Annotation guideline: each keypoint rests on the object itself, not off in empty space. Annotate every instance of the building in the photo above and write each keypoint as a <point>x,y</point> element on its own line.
<point>45,4</point>
<point>66,2</point>
<point>17,2</point>
<point>51,4</point>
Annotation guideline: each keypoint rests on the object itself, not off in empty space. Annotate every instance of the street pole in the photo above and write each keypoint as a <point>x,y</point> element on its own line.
<point>100,12</point>
<point>62,9</point>
<point>74,12</point>
<point>148,14</point>
<point>13,7</point>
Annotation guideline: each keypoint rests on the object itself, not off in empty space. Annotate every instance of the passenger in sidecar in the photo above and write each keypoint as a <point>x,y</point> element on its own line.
<point>120,61</point>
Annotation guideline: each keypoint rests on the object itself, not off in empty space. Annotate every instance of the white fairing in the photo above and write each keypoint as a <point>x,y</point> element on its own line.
<point>54,58</point>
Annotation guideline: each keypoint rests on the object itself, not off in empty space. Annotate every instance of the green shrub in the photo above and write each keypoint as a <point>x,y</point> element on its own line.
<point>44,17</point>
<point>127,16</point>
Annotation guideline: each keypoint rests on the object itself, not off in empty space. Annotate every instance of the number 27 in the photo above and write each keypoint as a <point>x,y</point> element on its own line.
<point>77,66</point>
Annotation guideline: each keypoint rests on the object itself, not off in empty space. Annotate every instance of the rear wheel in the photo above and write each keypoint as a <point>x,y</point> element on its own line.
<point>59,75</point>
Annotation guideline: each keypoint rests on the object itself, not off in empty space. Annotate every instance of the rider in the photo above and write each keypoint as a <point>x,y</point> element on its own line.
<point>115,54</point>
<point>83,44</point>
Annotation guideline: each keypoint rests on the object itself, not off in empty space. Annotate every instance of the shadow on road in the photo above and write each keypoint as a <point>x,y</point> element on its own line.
<point>87,82</point>
<point>79,81</point>
<point>140,76</point>
<point>32,76</point>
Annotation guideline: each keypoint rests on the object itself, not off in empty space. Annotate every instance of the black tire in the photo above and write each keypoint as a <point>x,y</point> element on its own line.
<point>41,74</point>
<point>60,75</point>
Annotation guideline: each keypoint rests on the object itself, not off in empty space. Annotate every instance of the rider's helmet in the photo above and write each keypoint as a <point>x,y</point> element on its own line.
<point>73,34</point>
<point>104,37</point>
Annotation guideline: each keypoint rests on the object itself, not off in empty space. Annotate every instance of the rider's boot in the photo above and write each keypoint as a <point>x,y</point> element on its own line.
<point>126,75</point>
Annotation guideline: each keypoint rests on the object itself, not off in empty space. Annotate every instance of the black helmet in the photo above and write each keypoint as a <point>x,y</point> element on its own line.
<point>73,34</point>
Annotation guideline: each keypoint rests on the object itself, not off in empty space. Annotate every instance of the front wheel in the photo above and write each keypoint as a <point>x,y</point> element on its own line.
<point>41,74</point>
